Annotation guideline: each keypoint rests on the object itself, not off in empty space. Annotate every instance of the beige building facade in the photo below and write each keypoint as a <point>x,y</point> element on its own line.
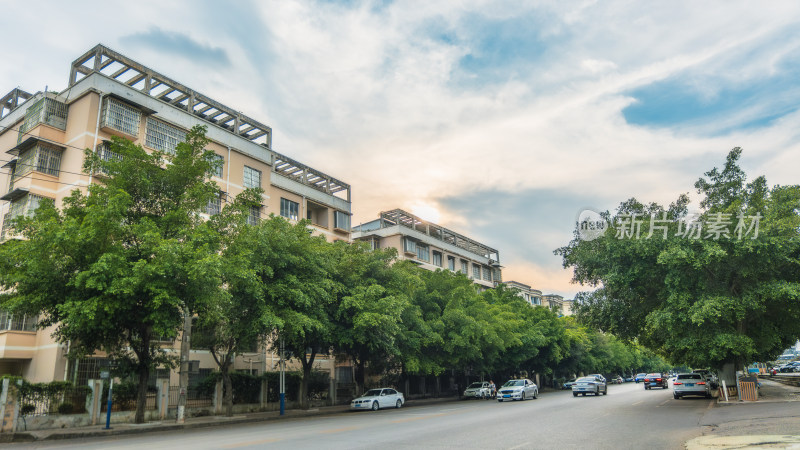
<point>432,246</point>
<point>42,140</point>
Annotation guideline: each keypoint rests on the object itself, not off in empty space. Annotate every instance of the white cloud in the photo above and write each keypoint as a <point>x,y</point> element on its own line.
<point>375,96</point>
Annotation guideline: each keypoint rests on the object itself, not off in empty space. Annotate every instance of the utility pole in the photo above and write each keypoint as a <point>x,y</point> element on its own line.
<point>183,382</point>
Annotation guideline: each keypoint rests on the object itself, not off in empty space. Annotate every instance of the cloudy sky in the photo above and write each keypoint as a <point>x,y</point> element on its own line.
<point>500,120</point>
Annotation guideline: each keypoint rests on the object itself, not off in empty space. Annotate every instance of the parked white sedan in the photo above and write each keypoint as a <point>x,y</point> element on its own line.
<point>376,399</point>
<point>517,390</point>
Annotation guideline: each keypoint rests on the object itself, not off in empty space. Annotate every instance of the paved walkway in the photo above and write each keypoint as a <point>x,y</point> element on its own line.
<point>193,422</point>
<point>769,392</point>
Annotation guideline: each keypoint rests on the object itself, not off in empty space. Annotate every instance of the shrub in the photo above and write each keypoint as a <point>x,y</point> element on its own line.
<point>65,408</point>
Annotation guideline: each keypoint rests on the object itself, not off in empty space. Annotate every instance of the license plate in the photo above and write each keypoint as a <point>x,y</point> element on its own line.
<point>689,384</point>
<point>507,396</point>
<point>653,384</point>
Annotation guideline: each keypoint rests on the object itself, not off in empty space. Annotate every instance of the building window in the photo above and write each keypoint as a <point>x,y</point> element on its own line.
<point>219,163</point>
<point>290,209</point>
<point>121,117</point>
<point>451,263</point>
<point>422,252</point>
<point>374,244</point>
<point>409,246</point>
<point>487,274</point>
<point>464,267</point>
<point>437,258</point>
<point>255,215</point>
<point>476,271</point>
<point>252,178</point>
<point>214,206</point>
<point>25,205</point>
<point>17,322</point>
<point>47,111</point>
<point>163,136</point>
<point>341,220</point>
<point>42,157</point>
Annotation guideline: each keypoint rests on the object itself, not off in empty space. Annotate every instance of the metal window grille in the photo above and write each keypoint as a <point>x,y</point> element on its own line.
<point>162,136</point>
<point>254,216</point>
<point>46,110</point>
<point>341,220</point>
<point>42,157</point>
<point>105,154</point>
<point>476,271</point>
<point>451,263</point>
<point>217,171</point>
<point>17,322</point>
<point>48,159</point>
<point>290,209</point>
<point>121,117</point>
<point>252,177</point>
<point>214,206</point>
<point>486,275</point>
<point>464,267</point>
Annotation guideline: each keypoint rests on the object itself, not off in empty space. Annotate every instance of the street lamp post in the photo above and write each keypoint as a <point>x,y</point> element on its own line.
<point>283,379</point>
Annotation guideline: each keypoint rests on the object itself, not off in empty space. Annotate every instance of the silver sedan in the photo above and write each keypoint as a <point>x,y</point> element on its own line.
<point>589,385</point>
<point>517,390</point>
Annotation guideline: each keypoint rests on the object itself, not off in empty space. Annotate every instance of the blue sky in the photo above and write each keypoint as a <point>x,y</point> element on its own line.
<point>504,119</point>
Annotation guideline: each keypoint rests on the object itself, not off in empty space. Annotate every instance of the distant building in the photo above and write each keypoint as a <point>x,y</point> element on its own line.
<point>432,246</point>
<point>532,296</point>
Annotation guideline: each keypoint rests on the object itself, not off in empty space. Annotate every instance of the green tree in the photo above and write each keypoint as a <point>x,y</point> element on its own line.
<point>115,268</point>
<point>294,270</point>
<point>236,319</point>
<point>709,301</point>
<point>368,308</point>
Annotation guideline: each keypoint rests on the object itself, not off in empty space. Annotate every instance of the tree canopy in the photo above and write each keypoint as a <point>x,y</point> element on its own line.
<point>721,286</point>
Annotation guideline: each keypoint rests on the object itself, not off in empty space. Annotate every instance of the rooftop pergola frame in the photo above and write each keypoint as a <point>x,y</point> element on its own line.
<point>124,70</point>
<point>403,218</point>
<point>12,100</point>
<point>283,165</point>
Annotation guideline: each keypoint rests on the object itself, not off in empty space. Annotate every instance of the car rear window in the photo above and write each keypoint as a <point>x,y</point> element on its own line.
<point>690,376</point>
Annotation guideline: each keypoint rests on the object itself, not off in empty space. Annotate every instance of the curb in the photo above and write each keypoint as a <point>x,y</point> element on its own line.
<point>31,436</point>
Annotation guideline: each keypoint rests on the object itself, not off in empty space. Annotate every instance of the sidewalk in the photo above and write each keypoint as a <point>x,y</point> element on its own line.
<point>193,422</point>
<point>769,392</point>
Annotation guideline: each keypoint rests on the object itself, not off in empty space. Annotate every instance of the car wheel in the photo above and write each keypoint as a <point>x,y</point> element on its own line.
<point>522,397</point>
<point>535,394</point>
<point>500,400</point>
<point>666,386</point>
<point>375,406</point>
<point>583,394</point>
<point>398,404</point>
<point>574,394</point>
<point>676,396</point>
<point>606,391</point>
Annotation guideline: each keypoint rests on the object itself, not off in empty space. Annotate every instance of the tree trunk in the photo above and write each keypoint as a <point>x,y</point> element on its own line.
<point>143,355</point>
<point>307,365</point>
<point>228,385</point>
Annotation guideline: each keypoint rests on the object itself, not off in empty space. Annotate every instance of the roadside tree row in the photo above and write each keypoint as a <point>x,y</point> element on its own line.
<point>119,268</point>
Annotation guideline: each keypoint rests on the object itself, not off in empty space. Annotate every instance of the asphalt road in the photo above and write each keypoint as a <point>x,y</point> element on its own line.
<point>628,417</point>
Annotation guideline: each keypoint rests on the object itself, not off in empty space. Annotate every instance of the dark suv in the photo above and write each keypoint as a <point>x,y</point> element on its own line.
<point>654,380</point>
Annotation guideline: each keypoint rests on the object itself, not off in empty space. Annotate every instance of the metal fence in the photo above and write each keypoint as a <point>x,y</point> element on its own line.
<point>69,400</point>
<point>194,397</point>
<point>124,402</point>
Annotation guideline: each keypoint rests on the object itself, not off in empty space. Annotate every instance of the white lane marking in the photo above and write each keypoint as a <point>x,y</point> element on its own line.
<point>525,444</point>
<point>637,403</point>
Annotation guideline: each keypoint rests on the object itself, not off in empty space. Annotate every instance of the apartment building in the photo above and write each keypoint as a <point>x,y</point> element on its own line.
<point>532,296</point>
<point>43,136</point>
<point>432,246</point>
